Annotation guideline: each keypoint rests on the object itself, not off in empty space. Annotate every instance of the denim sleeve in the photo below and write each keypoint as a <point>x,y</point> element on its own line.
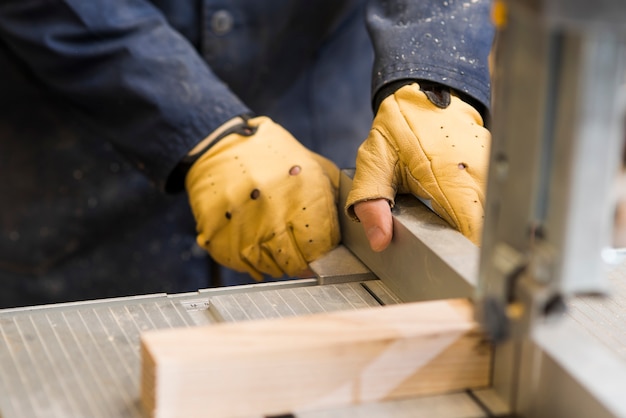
<point>125,71</point>
<point>444,41</point>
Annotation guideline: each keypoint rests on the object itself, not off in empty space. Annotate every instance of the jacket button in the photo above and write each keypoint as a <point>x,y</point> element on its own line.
<point>221,22</point>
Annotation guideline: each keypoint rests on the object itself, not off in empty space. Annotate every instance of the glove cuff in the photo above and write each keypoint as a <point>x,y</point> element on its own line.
<point>438,94</point>
<point>238,125</point>
<point>388,89</point>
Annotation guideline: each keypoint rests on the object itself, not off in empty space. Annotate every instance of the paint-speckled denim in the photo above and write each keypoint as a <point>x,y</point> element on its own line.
<point>100,99</point>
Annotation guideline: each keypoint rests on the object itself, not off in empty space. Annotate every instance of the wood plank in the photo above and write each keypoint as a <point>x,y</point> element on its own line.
<point>309,362</point>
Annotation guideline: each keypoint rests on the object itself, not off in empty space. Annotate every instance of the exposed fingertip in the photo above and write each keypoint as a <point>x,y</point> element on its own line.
<point>377,238</point>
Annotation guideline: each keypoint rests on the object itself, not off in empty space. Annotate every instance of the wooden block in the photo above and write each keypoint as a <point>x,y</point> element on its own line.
<point>309,362</point>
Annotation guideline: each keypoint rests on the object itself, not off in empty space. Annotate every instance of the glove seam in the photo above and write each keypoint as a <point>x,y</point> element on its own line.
<point>455,217</point>
<point>177,178</point>
<point>349,207</point>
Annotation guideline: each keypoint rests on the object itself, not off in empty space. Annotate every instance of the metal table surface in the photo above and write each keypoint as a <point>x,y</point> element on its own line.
<point>83,360</point>
<point>604,318</point>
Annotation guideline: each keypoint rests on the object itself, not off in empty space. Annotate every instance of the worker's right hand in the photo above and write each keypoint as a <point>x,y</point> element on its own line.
<point>263,203</point>
<point>418,144</point>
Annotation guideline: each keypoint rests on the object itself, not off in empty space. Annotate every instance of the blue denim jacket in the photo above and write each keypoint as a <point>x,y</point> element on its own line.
<point>100,99</point>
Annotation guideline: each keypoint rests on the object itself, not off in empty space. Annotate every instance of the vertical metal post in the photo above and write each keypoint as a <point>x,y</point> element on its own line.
<point>557,135</point>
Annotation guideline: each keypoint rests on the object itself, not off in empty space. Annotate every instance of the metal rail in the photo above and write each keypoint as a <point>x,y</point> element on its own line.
<point>427,259</point>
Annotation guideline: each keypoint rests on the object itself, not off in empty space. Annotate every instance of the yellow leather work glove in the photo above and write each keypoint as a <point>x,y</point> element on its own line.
<point>438,154</point>
<point>264,203</point>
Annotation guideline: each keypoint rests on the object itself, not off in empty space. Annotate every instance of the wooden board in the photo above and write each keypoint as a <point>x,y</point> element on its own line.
<point>309,362</point>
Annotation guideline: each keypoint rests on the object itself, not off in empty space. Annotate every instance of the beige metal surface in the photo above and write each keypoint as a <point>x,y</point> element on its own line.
<point>453,405</point>
<point>340,266</point>
<point>427,258</point>
<point>604,317</point>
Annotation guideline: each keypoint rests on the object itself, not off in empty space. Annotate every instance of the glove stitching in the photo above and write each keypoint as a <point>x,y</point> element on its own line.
<point>183,167</point>
<point>331,207</point>
<point>454,215</point>
<point>294,242</point>
<point>251,270</point>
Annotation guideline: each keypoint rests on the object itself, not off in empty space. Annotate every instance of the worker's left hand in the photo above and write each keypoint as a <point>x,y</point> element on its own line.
<point>436,152</point>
